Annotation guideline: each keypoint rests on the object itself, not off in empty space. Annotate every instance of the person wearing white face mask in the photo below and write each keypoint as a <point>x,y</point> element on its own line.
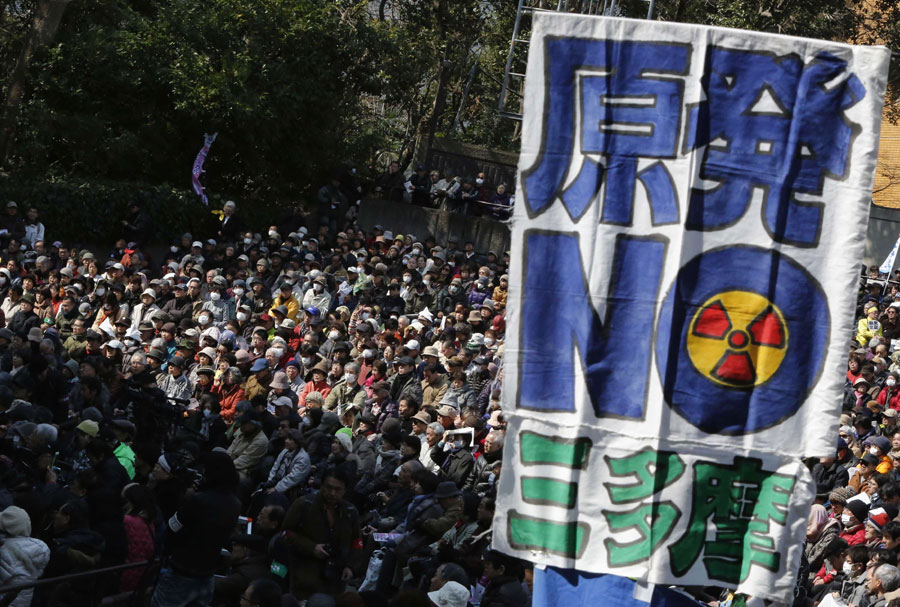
<point>317,296</point>
<point>347,390</point>
<point>889,396</point>
<point>853,520</point>
<point>217,308</point>
<point>853,588</point>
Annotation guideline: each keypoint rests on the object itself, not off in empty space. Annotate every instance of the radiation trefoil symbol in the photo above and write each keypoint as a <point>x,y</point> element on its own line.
<point>726,360</point>
<point>737,339</point>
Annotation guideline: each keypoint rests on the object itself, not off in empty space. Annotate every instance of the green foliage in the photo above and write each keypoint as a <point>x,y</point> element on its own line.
<point>89,211</point>
<point>296,88</point>
<point>128,91</point>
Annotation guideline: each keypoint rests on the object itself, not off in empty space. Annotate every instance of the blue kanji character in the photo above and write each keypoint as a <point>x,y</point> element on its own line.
<point>628,96</point>
<point>771,123</point>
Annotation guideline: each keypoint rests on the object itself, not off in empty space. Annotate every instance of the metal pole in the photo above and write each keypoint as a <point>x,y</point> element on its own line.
<point>650,10</point>
<point>465,94</point>
<point>509,58</point>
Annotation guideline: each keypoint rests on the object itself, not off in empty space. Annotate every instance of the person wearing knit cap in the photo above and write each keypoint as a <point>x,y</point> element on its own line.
<point>853,518</point>
<point>875,523</point>
<point>22,558</point>
<point>880,446</point>
<point>838,499</point>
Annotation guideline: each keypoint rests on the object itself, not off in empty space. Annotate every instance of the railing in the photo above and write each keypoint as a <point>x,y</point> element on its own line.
<point>10,592</point>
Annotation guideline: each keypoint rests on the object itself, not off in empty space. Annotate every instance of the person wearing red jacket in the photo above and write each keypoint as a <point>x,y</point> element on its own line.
<point>890,393</point>
<point>853,519</point>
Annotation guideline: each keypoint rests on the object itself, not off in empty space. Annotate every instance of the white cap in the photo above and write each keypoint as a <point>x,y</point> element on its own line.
<point>149,292</point>
<point>451,594</point>
<point>412,344</point>
<point>197,244</point>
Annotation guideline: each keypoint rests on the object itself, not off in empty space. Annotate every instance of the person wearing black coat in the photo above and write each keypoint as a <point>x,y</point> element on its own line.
<point>196,534</point>
<point>479,480</point>
<point>829,474</point>
<point>456,464</point>
<point>232,227</point>
<point>24,319</point>
<point>104,462</point>
<point>504,587</point>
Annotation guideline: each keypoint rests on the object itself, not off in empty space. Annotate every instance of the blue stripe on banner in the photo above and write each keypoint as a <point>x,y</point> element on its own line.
<point>569,587</point>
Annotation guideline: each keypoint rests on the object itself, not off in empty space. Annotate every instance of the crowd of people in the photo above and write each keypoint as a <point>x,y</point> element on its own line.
<point>447,191</point>
<point>311,413</point>
<point>299,414</point>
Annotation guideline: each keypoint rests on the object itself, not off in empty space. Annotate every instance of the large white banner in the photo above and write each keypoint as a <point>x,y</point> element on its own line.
<point>691,211</point>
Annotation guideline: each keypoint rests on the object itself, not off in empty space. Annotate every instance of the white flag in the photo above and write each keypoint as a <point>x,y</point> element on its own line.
<point>888,264</point>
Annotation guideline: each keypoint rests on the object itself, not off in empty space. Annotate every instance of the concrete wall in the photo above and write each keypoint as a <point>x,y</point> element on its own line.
<point>884,227</point>
<point>401,218</point>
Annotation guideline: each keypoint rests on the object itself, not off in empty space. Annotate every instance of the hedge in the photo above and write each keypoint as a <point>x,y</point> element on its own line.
<point>91,211</point>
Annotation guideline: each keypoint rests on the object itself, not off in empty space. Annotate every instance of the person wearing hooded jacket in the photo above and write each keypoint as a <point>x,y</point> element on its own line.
<point>22,557</point>
<point>291,467</point>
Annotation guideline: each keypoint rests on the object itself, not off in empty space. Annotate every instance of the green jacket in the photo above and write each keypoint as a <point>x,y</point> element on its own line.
<point>341,394</point>
<point>125,456</point>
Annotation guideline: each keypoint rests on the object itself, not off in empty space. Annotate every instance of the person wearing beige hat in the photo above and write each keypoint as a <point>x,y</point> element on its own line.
<point>144,311</point>
<point>281,388</point>
<point>22,557</point>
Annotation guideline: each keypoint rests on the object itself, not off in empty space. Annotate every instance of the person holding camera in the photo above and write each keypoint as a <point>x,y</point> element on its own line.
<point>323,534</point>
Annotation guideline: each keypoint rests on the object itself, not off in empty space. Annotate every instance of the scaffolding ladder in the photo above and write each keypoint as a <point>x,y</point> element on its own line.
<point>514,75</point>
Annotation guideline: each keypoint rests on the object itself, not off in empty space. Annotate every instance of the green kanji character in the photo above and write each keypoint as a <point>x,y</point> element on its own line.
<point>654,521</point>
<point>740,500</point>
<point>653,469</point>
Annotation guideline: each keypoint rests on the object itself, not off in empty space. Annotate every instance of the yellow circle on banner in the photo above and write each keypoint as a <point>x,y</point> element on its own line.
<point>737,339</point>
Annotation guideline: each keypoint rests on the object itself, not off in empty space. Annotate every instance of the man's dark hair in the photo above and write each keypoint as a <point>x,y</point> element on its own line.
<point>99,448</point>
<point>338,474</point>
<point>881,480</point>
<point>433,368</point>
<point>428,480</point>
<point>891,530</point>
<point>411,403</point>
<point>883,556</point>
<point>92,383</point>
<point>276,513</point>
<point>451,572</point>
<point>413,442</point>
<point>219,472</point>
<point>889,491</point>
<point>859,554</point>
<point>265,593</point>
<point>511,566</point>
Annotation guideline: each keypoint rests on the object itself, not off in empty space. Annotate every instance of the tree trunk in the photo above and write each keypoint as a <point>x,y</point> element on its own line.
<point>47,17</point>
